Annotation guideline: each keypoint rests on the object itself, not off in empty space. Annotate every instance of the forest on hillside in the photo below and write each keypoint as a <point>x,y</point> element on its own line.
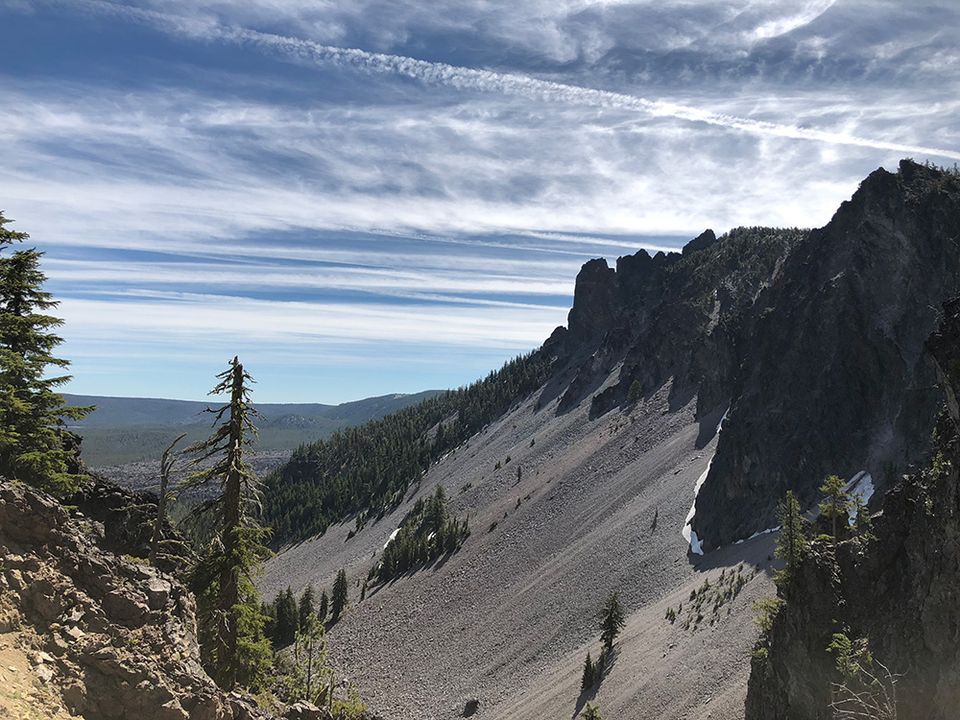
<point>366,470</point>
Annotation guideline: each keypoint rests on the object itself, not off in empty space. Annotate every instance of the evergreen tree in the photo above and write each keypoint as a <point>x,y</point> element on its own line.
<point>288,618</point>
<point>339,600</point>
<point>324,606</point>
<point>589,674</point>
<point>864,522</point>
<point>306,607</point>
<point>235,651</point>
<point>612,621</point>
<point>792,541</point>
<point>34,445</point>
<point>835,505</point>
<point>312,675</point>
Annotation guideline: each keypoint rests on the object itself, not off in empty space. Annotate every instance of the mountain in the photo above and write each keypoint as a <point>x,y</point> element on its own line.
<point>890,601</point>
<point>686,394</point>
<point>125,430</point>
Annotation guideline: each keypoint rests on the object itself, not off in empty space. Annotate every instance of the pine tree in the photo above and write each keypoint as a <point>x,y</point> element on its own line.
<point>612,621</point>
<point>835,505</point>
<point>312,675</point>
<point>864,521</point>
<point>792,541</point>
<point>235,650</point>
<point>324,606</point>
<point>339,600</point>
<point>589,674</point>
<point>306,607</point>
<point>34,445</point>
<point>288,618</point>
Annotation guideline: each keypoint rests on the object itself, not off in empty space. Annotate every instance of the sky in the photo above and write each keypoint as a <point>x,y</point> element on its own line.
<point>362,197</point>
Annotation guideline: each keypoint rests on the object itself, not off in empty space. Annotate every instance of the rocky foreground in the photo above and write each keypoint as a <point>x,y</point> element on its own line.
<point>87,632</point>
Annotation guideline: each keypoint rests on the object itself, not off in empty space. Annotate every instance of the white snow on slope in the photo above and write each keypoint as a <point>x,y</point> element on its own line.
<point>390,539</point>
<point>696,547</point>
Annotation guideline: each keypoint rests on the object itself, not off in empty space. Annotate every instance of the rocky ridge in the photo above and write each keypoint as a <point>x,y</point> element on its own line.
<point>812,341</point>
<point>895,594</point>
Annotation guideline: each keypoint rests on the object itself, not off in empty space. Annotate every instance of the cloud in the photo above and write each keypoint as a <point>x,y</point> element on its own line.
<point>531,88</point>
<point>421,180</point>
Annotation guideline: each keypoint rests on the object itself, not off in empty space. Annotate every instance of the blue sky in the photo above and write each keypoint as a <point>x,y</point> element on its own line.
<point>372,196</point>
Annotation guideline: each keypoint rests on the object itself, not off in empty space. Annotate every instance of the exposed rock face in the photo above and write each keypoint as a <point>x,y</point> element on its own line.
<point>899,592</point>
<point>120,636</point>
<point>835,379</point>
<point>669,316</point>
<point>125,520</point>
<point>812,339</point>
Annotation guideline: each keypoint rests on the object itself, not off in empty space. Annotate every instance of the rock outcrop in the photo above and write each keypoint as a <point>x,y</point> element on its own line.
<point>897,594</point>
<point>811,340</point>
<point>835,378</point>
<point>116,638</point>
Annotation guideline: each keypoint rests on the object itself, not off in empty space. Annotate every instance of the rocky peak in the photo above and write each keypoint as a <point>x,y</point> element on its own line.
<point>835,378</point>
<point>700,242</point>
<point>593,309</point>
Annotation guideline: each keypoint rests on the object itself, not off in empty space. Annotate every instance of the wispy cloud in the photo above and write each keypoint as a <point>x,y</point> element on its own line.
<point>409,186</point>
<point>488,81</point>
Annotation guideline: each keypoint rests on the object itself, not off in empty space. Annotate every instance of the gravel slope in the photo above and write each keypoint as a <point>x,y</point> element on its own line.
<point>509,618</point>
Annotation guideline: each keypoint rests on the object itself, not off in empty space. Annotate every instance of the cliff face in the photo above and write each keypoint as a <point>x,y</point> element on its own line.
<point>111,636</point>
<point>834,379</point>
<point>898,593</point>
<point>812,341</point>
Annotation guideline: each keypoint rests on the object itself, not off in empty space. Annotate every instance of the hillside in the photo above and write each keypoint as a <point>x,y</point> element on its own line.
<point>751,363</point>
<point>132,430</point>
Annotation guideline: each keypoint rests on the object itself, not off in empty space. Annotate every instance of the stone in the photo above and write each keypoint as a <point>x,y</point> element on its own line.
<point>158,593</point>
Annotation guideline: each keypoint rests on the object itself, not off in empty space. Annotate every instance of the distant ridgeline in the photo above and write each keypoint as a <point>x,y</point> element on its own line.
<point>368,469</point>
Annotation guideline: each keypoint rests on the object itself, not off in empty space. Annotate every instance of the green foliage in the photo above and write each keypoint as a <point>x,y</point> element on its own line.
<point>635,392</point>
<point>306,609</point>
<point>591,712</point>
<point>612,620</point>
<point>306,675</point>
<point>850,656</point>
<point>285,618</point>
<point>370,467</point>
<point>707,601</point>
<point>836,505</point>
<point>765,612</point>
<point>324,606</point>
<point>427,533</point>
<point>34,445</point>
<point>589,678</point>
<point>792,543</point>
<point>339,599</point>
<point>234,648</point>
<point>247,661</point>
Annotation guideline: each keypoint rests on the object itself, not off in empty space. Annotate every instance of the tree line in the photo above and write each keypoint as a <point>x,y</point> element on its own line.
<point>368,469</point>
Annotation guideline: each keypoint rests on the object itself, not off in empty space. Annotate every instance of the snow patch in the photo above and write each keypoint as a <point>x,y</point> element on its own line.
<point>758,534</point>
<point>696,547</point>
<point>390,539</point>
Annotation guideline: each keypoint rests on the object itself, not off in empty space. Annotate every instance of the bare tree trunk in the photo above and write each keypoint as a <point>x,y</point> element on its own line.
<point>166,465</point>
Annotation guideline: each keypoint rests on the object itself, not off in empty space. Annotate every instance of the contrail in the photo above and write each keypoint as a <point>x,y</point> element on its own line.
<point>489,81</point>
